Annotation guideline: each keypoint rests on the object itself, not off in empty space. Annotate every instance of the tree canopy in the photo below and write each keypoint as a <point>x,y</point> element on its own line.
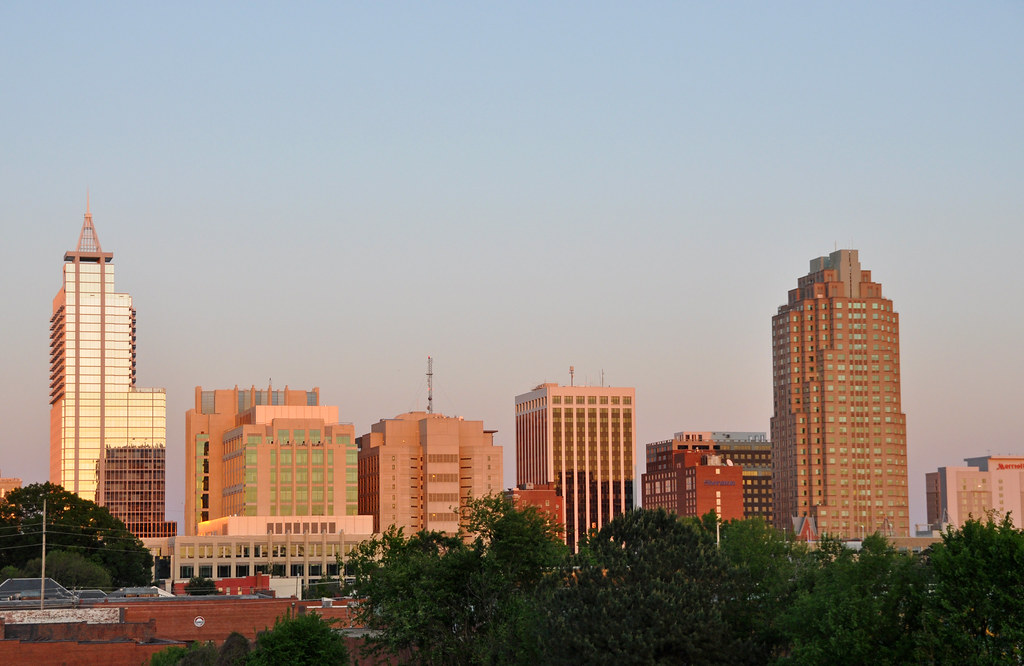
<point>304,639</point>
<point>73,525</point>
<point>856,606</point>
<point>655,588</point>
<point>975,614</point>
<point>464,598</point>
<point>198,587</point>
<point>72,570</point>
<point>648,587</point>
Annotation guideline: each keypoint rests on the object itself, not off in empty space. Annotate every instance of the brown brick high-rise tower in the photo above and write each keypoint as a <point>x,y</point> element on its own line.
<point>839,442</point>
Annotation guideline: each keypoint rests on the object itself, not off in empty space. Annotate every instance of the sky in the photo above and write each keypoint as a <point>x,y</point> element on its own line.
<point>324,194</point>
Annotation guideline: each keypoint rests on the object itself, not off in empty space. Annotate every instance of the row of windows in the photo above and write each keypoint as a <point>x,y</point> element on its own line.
<point>592,400</point>
<point>242,570</point>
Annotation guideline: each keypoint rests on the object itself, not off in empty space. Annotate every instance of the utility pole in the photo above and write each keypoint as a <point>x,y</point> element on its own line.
<point>42,571</point>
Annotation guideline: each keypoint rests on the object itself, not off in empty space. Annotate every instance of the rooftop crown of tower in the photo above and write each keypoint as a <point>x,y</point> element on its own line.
<point>88,248</point>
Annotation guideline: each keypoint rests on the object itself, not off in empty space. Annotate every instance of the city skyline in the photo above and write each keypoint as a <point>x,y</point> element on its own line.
<point>625,190</point>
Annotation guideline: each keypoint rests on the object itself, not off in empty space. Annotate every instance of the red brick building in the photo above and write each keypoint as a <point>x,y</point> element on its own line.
<point>129,632</point>
<point>692,483</point>
<point>544,497</point>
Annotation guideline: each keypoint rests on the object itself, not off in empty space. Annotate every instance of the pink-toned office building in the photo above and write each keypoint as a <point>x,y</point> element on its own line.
<point>581,439</point>
<point>273,452</point>
<point>984,484</point>
<point>417,470</point>
<point>838,433</point>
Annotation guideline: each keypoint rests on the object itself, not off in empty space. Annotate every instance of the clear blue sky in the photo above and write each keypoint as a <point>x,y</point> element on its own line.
<point>326,193</point>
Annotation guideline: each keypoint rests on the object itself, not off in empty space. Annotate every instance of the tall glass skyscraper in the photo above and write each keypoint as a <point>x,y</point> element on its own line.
<point>839,438</point>
<point>99,419</point>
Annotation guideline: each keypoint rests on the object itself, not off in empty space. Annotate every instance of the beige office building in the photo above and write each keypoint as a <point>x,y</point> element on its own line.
<point>417,470</point>
<point>95,407</point>
<point>582,439</point>
<point>986,484</point>
<point>255,452</point>
<point>7,484</point>
<point>839,438</point>
<point>239,546</point>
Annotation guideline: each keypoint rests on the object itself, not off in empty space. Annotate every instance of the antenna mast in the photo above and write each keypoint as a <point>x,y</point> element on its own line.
<point>572,375</point>
<point>430,385</point>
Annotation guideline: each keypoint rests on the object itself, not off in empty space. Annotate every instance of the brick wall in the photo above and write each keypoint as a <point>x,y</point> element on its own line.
<point>82,631</point>
<point>78,654</point>
<point>175,620</point>
<point>170,621</point>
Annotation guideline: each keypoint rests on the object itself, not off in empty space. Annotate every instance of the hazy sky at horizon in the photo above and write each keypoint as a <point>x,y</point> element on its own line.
<point>326,194</point>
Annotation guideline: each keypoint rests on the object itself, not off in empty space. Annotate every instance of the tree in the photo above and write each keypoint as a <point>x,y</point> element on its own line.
<point>72,570</point>
<point>975,614</point>
<point>465,598</point>
<point>649,587</point>
<point>198,587</point>
<point>325,587</point>
<point>234,651</point>
<point>764,565</point>
<point>75,525</point>
<point>10,571</point>
<point>857,607</point>
<point>304,639</point>
<point>195,654</point>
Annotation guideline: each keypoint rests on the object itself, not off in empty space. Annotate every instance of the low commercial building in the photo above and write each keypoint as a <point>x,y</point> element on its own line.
<point>297,548</point>
<point>544,497</point>
<point>749,451</point>
<point>690,482</point>
<point>986,484</point>
<point>7,484</point>
<point>130,631</point>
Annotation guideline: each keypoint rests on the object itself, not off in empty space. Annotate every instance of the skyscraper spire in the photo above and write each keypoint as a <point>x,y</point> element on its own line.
<point>88,241</point>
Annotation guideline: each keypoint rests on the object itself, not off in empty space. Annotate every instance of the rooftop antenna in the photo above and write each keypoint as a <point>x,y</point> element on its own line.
<point>572,375</point>
<point>430,385</point>
<point>602,377</point>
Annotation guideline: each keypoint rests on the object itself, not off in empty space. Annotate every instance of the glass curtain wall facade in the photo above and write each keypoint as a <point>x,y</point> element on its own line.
<point>94,403</point>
